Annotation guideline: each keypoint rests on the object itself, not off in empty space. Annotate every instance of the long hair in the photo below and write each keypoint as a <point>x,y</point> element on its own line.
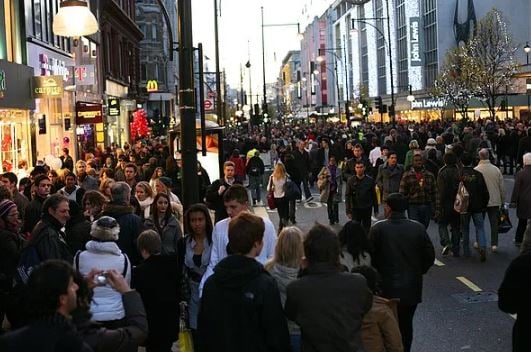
<point>289,249</point>
<point>198,208</point>
<point>155,212</point>
<point>279,172</point>
<point>154,175</point>
<point>353,237</point>
<point>146,187</point>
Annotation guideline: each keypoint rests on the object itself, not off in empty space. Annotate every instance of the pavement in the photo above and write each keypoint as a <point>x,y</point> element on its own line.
<point>459,311</point>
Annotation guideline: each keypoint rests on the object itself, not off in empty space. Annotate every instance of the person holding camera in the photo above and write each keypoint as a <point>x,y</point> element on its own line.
<point>102,252</point>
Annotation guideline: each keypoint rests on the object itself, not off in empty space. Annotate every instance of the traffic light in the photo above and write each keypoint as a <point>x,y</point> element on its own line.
<point>256,109</point>
<point>378,103</point>
<point>383,110</point>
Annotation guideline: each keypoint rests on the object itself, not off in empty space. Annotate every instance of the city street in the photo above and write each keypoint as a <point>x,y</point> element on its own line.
<point>459,310</point>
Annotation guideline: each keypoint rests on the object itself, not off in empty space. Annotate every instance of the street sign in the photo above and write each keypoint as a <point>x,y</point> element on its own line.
<point>209,105</point>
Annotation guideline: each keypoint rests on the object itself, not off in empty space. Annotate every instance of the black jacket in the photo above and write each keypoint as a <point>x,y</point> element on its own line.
<point>124,339</point>
<point>215,201</point>
<point>513,298</point>
<point>50,241</point>
<point>302,162</point>
<point>241,310</point>
<point>255,163</point>
<point>10,246</point>
<point>33,214</point>
<point>77,232</point>
<point>402,253</point>
<point>157,280</point>
<point>447,185</point>
<point>360,194</point>
<point>130,227</point>
<point>477,189</point>
<point>52,334</point>
<point>329,306</point>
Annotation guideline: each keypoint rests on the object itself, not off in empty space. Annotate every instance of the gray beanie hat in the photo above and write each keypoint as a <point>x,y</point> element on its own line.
<point>105,228</point>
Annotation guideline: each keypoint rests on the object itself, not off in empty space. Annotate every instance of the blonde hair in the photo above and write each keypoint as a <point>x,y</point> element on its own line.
<point>279,172</point>
<point>106,183</point>
<point>146,187</point>
<point>289,249</point>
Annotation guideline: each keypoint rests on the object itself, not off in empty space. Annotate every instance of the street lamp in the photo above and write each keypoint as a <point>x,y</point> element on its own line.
<point>74,19</point>
<point>527,50</point>
<point>300,36</point>
<point>320,58</point>
<point>410,97</point>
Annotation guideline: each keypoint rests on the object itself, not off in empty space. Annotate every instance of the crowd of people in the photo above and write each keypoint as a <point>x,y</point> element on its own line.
<point>98,254</point>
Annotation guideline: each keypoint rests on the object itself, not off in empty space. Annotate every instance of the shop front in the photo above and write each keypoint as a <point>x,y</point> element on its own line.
<point>16,105</point>
<point>119,110</point>
<point>54,95</point>
<point>89,126</point>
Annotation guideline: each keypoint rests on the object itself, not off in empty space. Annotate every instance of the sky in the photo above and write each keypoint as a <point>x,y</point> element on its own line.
<point>240,35</point>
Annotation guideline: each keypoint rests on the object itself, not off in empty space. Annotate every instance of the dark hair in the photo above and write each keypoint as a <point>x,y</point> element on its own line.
<point>237,193</point>
<point>94,198</point>
<point>11,177</point>
<point>372,277</point>
<point>198,208</point>
<point>107,171</point>
<point>70,174</point>
<point>236,153</point>
<point>244,231</point>
<point>357,162</point>
<point>155,212</point>
<point>354,238</point>
<point>358,146</point>
<point>450,158</point>
<point>46,284</point>
<point>39,179</point>
<point>467,159</point>
<point>52,202</point>
<point>397,202</point>
<point>321,245</point>
<point>391,152</point>
<point>131,165</point>
<point>149,240</point>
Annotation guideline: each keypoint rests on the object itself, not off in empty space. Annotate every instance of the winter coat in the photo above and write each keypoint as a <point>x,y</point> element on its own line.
<point>169,234</point>
<point>494,181</point>
<point>323,179</point>
<point>379,329</point>
<point>241,309</point>
<point>214,200</point>
<point>33,214</point>
<point>388,179</point>
<point>157,280</point>
<point>255,166</point>
<point>360,194</point>
<point>284,275</point>
<point>447,185</point>
<point>418,192</point>
<point>88,183</point>
<point>477,190</point>
<point>402,253</point>
<point>130,227</point>
<point>77,231</point>
<point>50,240</point>
<point>302,162</point>
<point>51,334</point>
<point>321,303</point>
<point>107,302</point>
<point>522,193</point>
<point>124,339</point>
<point>10,246</point>
<point>513,298</point>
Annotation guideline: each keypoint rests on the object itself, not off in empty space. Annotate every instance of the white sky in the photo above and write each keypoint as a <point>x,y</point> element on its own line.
<point>240,24</point>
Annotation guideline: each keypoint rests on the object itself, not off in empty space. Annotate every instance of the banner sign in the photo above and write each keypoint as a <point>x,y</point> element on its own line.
<point>47,86</point>
<point>113,107</point>
<point>415,56</point>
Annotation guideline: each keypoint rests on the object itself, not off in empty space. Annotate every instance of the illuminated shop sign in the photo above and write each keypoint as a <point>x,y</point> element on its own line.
<point>47,86</point>
<point>51,66</point>
<point>415,57</point>
<point>113,107</point>
<point>427,104</point>
<point>3,86</point>
<point>152,86</point>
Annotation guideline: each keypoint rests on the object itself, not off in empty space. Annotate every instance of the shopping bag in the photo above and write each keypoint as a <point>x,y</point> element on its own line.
<point>462,199</point>
<point>185,343</point>
<point>271,200</point>
<point>504,222</point>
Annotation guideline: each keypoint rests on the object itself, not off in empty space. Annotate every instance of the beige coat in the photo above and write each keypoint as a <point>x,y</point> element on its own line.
<point>494,180</point>
<point>379,329</point>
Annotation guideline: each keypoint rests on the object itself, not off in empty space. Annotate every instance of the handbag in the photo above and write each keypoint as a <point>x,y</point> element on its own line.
<point>271,197</point>
<point>504,222</point>
<point>185,342</point>
<point>462,199</point>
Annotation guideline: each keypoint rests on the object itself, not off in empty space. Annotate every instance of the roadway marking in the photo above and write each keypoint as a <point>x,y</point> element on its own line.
<point>261,212</point>
<point>437,262</point>
<point>469,284</point>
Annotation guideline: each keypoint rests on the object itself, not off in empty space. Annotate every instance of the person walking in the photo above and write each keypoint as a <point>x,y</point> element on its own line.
<point>389,175</point>
<point>360,196</point>
<point>521,198</point>
<point>302,161</point>
<point>255,172</point>
<point>330,186</point>
<point>214,194</point>
<point>276,184</point>
<point>164,222</point>
<point>402,254</point>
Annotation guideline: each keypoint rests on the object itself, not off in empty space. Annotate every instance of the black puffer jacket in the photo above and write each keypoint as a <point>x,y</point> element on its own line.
<point>402,253</point>
<point>241,309</point>
<point>477,189</point>
<point>50,240</point>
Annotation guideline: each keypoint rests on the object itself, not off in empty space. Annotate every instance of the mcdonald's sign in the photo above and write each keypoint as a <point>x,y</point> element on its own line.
<point>152,86</point>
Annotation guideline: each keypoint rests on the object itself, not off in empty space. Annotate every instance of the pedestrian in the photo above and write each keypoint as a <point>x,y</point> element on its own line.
<point>84,180</point>
<point>194,256</point>
<point>476,187</point>
<point>51,298</point>
<point>360,196</point>
<point>389,175</point>
<point>67,161</point>
<point>402,254</point>
<point>379,328</point>
<point>240,307</point>
<point>144,196</point>
<point>10,180</point>
<point>293,172</point>
<point>164,222</point>
<point>77,228</point>
<point>157,280</point>
<point>277,185</point>
<point>71,190</point>
<point>302,161</point>
<point>355,247</point>
<point>447,185</point>
<point>214,194</point>
<point>330,186</point>
<point>93,203</point>
<point>414,149</point>
<point>255,172</point>
<point>321,300</point>
<point>521,198</point>
<point>236,201</point>
<point>284,267</point>
<point>239,166</point>
<point>33,211</point>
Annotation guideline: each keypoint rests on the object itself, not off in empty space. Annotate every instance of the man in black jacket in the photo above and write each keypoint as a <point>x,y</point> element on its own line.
<point>255,171</point>
<point>325,302</point>
<point>33,210</point>
<point>214,194</point>
<point>302,161</point>
<point>402,253</point>
<point>240,306</point>
<point>360,196</point>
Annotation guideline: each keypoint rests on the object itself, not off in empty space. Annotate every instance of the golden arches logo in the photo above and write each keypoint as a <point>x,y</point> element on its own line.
<point>152,86</point>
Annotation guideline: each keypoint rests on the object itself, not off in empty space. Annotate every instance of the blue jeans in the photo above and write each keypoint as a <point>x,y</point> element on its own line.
<point>454,222</point>
<point>479,224</point>
<point>255,183</point>
<point>421,213</point>
<point>295,342</point>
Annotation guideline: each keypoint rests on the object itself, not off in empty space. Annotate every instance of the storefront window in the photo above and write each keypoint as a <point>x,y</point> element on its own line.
<point>14,136</point>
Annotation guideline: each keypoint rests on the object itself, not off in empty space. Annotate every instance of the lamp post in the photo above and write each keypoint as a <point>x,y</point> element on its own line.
<point>321,59</point>
<point>527,50</point>
<point>387,42</point>
<point>264,87</point>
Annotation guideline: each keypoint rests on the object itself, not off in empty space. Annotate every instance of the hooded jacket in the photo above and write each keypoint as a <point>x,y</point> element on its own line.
<point>241,309</point>
<point>130,227</point>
